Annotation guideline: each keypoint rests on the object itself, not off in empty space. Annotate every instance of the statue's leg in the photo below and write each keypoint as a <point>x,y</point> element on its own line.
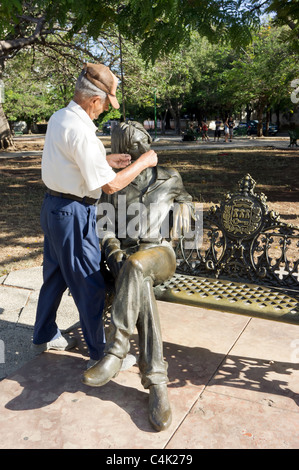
<point>134,288</point>
<point>124,314</point>
<point>125,307</point>
<point>153,367</point>
<point>132,297</point>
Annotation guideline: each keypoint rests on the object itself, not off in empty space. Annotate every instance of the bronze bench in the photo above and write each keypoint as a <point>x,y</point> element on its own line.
<point>248,263</point>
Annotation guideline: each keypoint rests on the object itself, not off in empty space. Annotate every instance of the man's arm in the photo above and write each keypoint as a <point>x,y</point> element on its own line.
<point>128,174</point>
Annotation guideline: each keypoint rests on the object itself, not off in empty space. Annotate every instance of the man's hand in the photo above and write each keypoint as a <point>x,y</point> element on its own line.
<point>119,160</point>
<point>150,158</point>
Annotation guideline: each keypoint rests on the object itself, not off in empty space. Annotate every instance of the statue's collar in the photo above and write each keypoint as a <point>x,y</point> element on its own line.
<point>151,178</point>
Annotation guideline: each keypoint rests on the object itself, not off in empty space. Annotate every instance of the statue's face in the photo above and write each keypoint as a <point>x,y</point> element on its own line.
<point>138,144</point>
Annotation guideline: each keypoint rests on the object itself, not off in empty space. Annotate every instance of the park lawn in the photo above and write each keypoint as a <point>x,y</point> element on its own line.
<point>208,176</point>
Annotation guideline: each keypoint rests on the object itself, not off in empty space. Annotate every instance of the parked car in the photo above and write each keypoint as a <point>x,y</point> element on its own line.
<point>273,129</point>
<point>240,129</point>
<point>241,125</point>
<point>243,128</point>
<point>107,127</point>
<point>251,127</point>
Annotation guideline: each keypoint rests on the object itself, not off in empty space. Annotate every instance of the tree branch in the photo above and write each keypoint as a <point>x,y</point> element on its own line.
<point>8,46</point>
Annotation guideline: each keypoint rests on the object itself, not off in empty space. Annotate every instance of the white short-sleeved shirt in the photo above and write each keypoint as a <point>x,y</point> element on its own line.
<point>74,159</point>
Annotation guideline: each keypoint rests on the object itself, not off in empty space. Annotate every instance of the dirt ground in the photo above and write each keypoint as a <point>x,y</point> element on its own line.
<point>208,176</point>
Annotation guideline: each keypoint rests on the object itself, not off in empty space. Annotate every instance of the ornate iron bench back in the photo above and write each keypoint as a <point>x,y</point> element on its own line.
<point>244,241</point>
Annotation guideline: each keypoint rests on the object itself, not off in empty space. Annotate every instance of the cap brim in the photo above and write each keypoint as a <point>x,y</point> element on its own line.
<point>114,102</point>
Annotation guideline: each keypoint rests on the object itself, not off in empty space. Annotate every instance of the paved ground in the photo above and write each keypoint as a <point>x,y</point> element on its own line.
<point>175,142</point>
<point>234,383</point>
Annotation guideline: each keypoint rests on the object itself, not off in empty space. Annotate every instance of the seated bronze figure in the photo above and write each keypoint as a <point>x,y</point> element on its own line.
<point>139,259</point>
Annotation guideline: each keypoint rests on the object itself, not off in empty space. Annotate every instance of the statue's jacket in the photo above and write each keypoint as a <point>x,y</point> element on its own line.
<point>142,212</point>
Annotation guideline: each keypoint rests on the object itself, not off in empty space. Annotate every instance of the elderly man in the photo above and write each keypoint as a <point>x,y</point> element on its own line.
<point>76,170</point>
<point>139,259</point>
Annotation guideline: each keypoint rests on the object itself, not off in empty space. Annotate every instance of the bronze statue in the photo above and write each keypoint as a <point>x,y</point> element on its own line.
<point>139,257</point>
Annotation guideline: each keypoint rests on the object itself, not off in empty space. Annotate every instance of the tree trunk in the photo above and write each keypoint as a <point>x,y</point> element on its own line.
<point>260,110</point>
<point>277,111</point>
<point>176,116</point>
<point>267,122</point>
<point>178,124</point>
<point>248,112</point>
<point>163,122</point>
<point>122,77</point>
<point>167,120</point>
<point>5,132</point>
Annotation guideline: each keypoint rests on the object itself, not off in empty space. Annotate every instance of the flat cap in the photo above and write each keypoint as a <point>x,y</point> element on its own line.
<point>102,77</point>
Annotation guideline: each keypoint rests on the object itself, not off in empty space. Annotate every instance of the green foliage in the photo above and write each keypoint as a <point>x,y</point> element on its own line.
<point>94,16</point>
<point>164,26</point>
<point>40,80</point>
<point>159,26</point>
<point>106,116</point>
<point>287,14</point>
<point>208,80</point>
<point>169,79</point>
<point>26,98</point>
<point>262,75</point>
<point>8,11</point>
<point>199,55</point>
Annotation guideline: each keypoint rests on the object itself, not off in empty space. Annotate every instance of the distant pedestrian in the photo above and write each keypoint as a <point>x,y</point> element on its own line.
<point>217,133</point>
<point>198,131</point>
<point>190,133</point>
<point>226,130</point>
<point>231,124</point>
<point>205,128</point>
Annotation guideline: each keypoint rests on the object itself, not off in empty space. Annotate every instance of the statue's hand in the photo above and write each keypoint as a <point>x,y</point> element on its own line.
<point>115,257</point>
<point>181,221</point>
<point>115,262</point>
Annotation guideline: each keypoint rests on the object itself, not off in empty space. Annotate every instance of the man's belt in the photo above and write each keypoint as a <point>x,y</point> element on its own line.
<point>86,200</point>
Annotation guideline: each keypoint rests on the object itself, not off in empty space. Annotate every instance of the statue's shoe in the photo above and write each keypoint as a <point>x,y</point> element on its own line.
<point>160,415</point>
<point>128,362</point>
<point>103,371</point>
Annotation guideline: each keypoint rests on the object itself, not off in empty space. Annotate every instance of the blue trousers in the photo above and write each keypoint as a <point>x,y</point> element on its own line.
<point>71,259</point>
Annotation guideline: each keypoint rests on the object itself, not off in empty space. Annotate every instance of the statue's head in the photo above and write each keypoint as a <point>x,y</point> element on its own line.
<point>130,138</point>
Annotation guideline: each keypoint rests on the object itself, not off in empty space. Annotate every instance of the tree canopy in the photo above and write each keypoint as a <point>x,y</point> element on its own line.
<point>160,25</point>
<point>206,80</point>
<point>160,34</point>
